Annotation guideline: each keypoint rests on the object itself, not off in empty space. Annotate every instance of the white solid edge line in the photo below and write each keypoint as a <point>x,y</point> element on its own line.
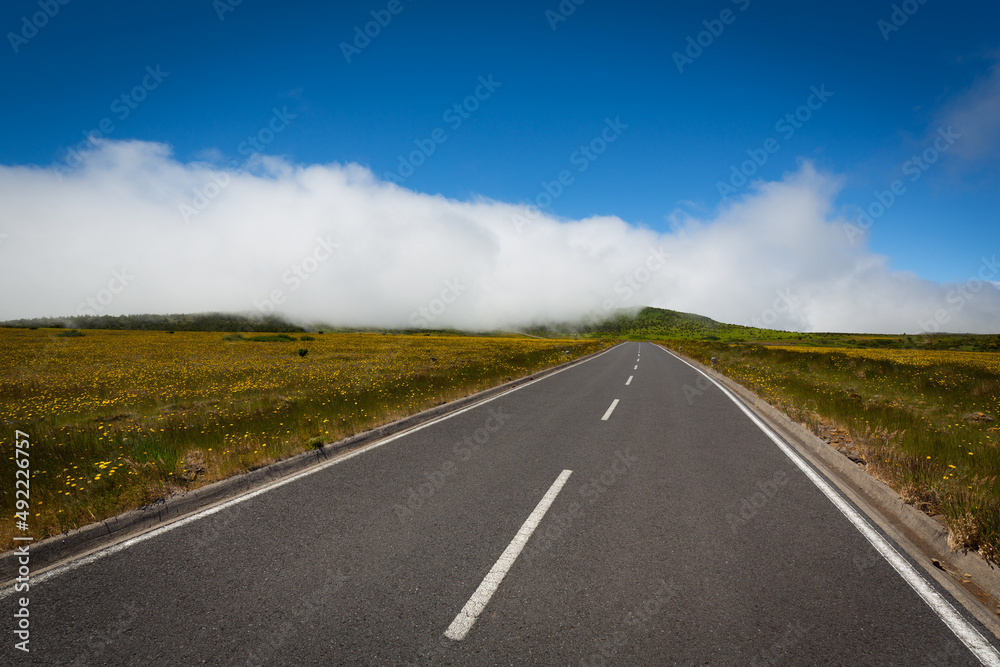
<point>607,414</point>
<point>477,603</point>
<point>629,380</point>
<point>121,546</point>
<point>969,636</point>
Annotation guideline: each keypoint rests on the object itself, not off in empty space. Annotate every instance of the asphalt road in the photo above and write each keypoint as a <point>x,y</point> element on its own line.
<point>682,535</point>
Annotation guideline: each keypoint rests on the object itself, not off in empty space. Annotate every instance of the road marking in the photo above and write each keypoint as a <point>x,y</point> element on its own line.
<point>629,380</point>
<point>607,414</point>
<point>969,636</point>
<point>477,603</point>
<point>142,537</point>
<point>636,367</point>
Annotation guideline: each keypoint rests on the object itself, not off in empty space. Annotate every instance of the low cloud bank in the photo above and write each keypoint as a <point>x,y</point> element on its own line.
<point>133,230</point>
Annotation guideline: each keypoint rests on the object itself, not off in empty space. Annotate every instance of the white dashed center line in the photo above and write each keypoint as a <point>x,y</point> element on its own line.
<point>629,380</point>
<point>607,414</point>
<point>477,603</point>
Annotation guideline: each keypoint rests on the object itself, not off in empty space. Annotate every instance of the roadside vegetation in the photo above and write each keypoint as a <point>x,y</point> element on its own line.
<point>119,419</point>
<point>925,422</point>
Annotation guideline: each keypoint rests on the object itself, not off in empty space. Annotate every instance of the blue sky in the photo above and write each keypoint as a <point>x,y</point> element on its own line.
<point>225,68</point>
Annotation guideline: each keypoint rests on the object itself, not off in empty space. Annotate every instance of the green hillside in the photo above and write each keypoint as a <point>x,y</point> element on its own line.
<point>661,324</point>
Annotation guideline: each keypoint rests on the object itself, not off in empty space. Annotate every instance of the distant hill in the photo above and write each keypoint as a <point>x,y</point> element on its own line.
<point>658,323</point>
<point>197,322</point>
<point>662,324</point>
<point>646,324</point>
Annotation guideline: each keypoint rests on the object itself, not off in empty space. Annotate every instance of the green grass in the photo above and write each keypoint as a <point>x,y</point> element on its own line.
<point>119,419</point>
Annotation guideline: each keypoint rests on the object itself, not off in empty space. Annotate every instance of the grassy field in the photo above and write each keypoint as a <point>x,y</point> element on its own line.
<point>118,419</point>
<point>923,421</point>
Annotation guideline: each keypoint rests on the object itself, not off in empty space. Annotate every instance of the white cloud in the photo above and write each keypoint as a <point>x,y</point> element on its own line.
<point>778,253</point>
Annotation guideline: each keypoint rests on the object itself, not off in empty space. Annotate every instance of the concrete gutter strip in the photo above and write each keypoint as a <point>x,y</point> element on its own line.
<point>94,536</point>
<point>928,538</point>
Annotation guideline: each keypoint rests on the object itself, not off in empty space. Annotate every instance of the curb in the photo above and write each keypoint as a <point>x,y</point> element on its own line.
<point>97,535</point>
<point>928,537</point>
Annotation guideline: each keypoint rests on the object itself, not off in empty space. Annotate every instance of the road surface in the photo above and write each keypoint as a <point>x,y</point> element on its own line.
<point>621,511</point>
